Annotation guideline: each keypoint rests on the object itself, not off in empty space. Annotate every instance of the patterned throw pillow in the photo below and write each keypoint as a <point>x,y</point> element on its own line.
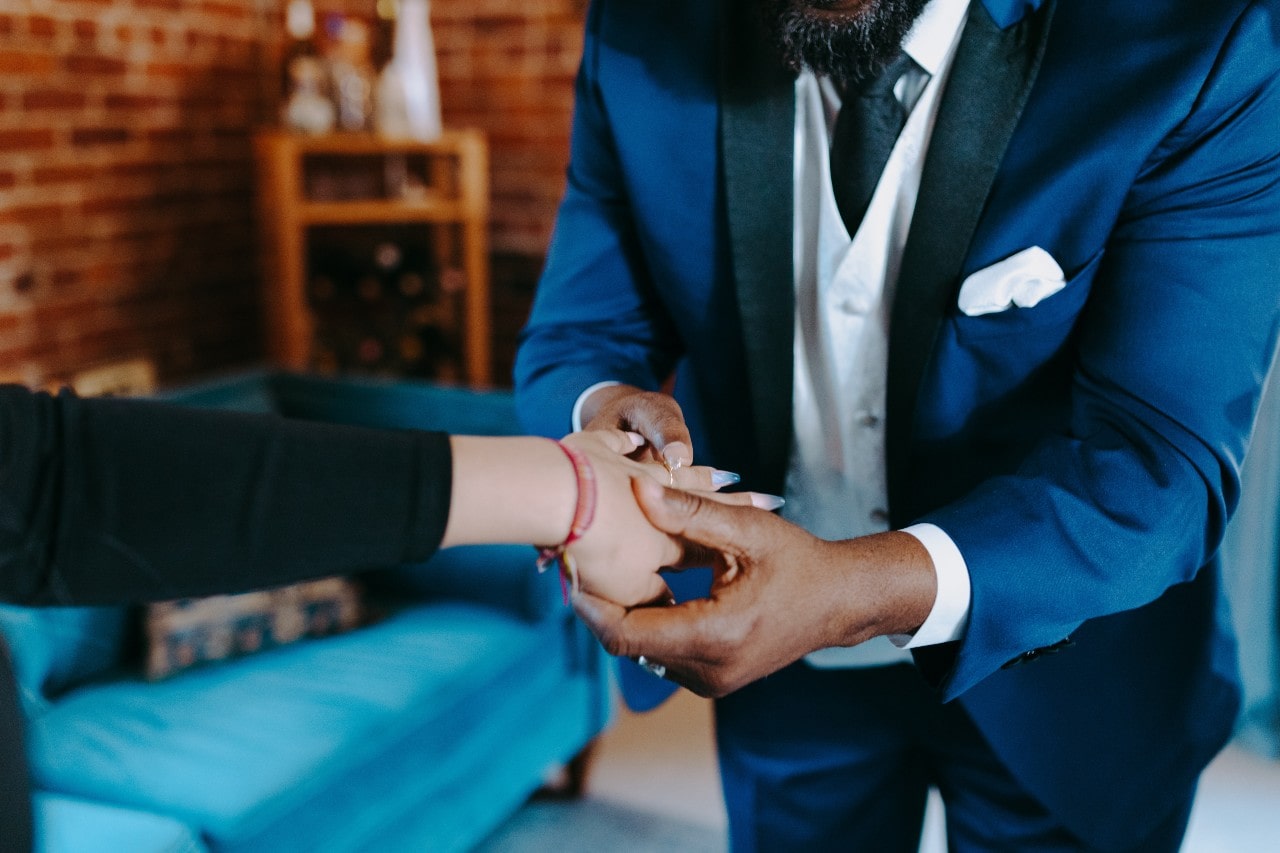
<point>193,631</point>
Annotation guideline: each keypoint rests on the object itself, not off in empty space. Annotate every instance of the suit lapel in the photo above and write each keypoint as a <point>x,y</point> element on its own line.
<point>991,78</point>
<point>757,98</point>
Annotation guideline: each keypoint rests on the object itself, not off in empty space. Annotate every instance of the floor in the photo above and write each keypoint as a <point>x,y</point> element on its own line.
<point>664,762</point>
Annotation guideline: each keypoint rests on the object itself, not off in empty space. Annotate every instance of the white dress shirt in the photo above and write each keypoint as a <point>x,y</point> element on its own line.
<point>836,482</point>
<point>836,485</point>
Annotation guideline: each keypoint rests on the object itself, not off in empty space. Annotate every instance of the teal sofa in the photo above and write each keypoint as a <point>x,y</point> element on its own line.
<point>421,732</point>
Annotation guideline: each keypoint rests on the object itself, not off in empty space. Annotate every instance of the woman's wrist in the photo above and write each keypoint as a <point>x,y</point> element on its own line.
<point>519,490</point>
<point>584,513</point>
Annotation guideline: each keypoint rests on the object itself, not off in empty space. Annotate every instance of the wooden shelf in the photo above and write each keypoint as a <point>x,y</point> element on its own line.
<point>375,212</point>
<point>456,193</point>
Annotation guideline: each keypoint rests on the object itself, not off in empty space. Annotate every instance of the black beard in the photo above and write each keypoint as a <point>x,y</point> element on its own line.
<point>844,47</point>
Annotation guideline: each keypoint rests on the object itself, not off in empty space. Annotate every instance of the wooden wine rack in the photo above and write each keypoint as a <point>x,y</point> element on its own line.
<point>454,192</point>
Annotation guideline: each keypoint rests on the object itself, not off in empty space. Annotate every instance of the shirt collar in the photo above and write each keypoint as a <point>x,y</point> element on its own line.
<point>934,32</point>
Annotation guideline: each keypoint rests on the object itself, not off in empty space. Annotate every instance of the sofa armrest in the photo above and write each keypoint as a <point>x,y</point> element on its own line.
<point>396,404</point>
<point>498,576</point>
<point>54,649</point>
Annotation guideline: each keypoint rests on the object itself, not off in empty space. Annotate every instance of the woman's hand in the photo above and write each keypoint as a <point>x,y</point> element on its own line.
<point>619,556</point>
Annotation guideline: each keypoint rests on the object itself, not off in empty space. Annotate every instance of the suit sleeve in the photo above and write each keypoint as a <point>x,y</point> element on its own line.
<point>595,317</point>
<point>112,501</point>
<point>1173,351</point>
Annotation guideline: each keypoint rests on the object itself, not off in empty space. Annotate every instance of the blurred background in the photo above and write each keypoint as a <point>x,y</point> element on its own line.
<point>128,214</point>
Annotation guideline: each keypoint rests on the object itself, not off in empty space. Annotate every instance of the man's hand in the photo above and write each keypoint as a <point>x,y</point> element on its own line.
<point>656,417</point>
<point>779,593</point>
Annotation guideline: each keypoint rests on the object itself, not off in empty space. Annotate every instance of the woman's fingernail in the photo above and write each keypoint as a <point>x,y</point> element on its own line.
<point>636,438</point>
<point>769,502</point>
<point>724,478</point>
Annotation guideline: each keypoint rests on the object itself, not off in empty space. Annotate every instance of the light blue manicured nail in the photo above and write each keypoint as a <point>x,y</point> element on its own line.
<point>768,502</point>
<point>720,479</point>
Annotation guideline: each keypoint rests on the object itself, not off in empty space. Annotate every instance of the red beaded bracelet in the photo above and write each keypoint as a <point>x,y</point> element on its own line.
<point>583,514</point>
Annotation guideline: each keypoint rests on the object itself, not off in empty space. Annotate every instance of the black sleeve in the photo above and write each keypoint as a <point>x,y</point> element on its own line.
<point>16,819</point>
<point>111,501</point>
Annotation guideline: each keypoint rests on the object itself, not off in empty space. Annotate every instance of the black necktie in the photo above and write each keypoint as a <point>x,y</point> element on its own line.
<point>870,120</point>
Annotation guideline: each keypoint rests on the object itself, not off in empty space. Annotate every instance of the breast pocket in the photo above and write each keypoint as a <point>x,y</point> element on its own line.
<point>1053,312</point>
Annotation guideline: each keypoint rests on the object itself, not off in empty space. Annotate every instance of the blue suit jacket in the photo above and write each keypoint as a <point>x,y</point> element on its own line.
<point>1083,453</point>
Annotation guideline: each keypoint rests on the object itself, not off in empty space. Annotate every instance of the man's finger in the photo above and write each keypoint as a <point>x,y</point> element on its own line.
<point>658,418</point>
<point>604,619</point>
<point>713,524</point>
<point>663,634</point>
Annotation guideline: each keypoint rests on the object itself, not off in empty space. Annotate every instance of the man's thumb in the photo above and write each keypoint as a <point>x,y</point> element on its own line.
<point>688,516</point>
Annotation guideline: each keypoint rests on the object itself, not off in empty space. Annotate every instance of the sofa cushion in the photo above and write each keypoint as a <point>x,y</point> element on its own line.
<point>71,825</point>
<point>241,749</point>
<point>57,648</point>
<point>239,392</point>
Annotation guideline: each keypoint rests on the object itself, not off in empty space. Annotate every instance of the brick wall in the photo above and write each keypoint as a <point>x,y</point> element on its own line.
<point>124,187</point>
<point>508,67</point>
<point>126,195</point>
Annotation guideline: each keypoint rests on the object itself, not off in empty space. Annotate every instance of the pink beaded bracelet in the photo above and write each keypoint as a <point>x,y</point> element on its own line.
<point>584,513</point>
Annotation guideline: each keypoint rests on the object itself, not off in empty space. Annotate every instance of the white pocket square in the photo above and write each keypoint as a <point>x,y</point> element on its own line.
<point>1022,280</point>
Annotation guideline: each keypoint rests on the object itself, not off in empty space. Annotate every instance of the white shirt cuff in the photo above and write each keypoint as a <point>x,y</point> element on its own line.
<point>576,419</point>
<point>950,614</point>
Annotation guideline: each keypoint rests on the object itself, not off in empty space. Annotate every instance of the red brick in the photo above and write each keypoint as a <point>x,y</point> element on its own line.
<point>116,204</point>
<point>178,70</point>
<point>41,26</point>
<point>236,11</point>
<point>138,169</point>
<point>15,62</point>
<point>8,180</point>
<point>25,140</point>
<point>64,277</point>
<point>121,101</point>
<point>85,30</point>
<point>53,99</point>
<point>63,174</point>
<point>53,313</point>
<point>95,65</point>
<point>99,135</point>
<point>46,243</point>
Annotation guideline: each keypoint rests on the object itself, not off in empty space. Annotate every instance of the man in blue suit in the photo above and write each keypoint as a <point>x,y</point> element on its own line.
<point>1005,384</point>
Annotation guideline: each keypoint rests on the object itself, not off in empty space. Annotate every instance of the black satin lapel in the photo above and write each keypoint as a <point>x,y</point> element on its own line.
<point>757,122</point>
<point>992,76</point>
